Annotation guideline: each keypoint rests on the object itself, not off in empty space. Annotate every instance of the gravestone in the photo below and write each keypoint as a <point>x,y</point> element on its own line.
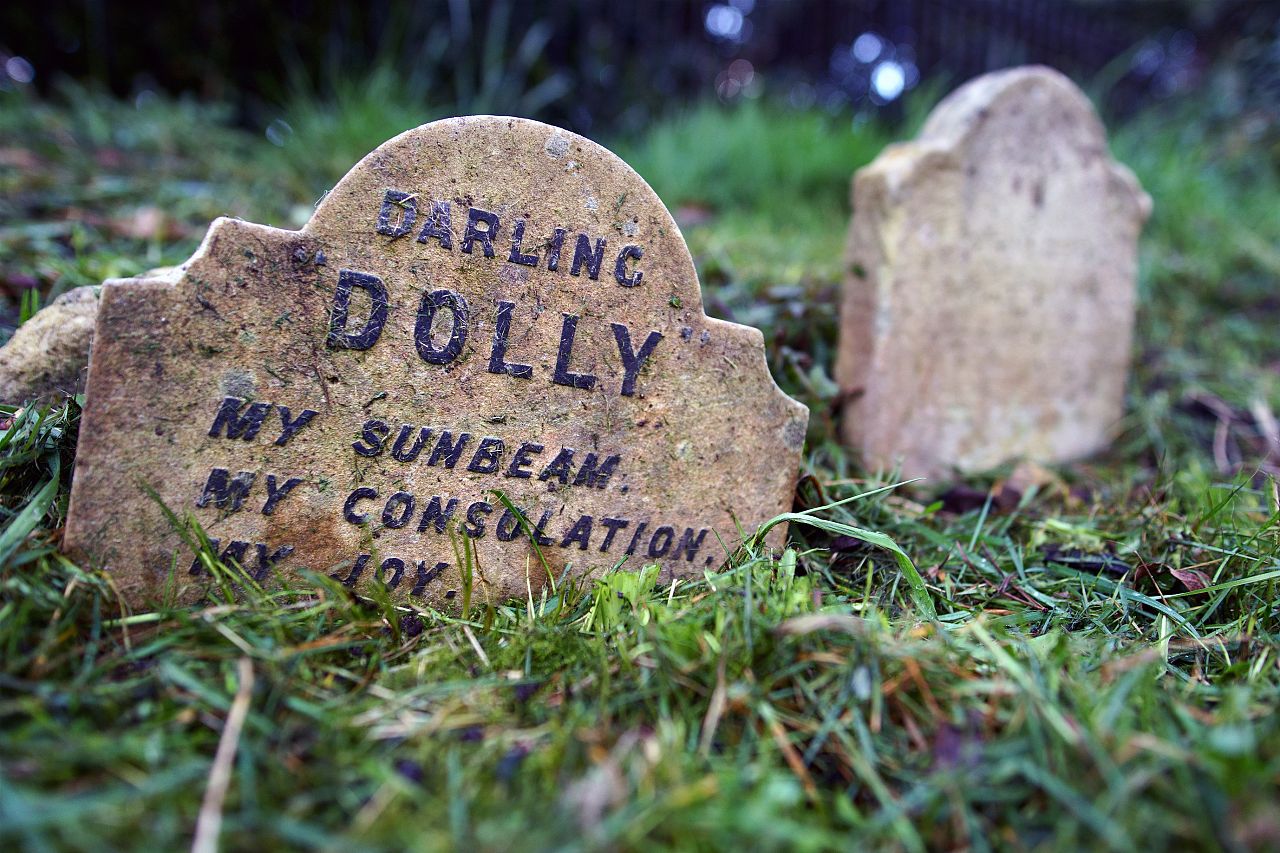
<point>483,362</point>
<point>989,303</point>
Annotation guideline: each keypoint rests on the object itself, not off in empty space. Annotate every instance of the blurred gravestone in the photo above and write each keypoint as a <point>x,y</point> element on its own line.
<point>989,304</point>
<point>484,362</point>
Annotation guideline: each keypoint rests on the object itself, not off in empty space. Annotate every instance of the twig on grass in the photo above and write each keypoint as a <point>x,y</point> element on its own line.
<point>209,823</point>
<point>471,638</point>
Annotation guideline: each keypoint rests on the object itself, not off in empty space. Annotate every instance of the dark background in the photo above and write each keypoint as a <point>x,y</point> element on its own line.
<point>614,66</point>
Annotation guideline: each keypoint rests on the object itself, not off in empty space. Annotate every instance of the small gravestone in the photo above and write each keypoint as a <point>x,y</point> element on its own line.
<point>483,362</point>
<point>989,304</point>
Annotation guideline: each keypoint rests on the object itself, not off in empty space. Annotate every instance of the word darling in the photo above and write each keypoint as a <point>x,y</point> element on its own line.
<point>399,214</point>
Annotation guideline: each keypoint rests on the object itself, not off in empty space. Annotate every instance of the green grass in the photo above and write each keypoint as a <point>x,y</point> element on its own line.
<point>1102,672</point>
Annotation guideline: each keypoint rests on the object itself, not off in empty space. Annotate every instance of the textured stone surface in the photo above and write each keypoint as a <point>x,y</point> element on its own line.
<point>988,311</point>
<point>610,451</point>
<point>47,356</point>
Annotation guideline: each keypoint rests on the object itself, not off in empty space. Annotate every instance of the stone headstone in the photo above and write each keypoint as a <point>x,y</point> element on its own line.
<point>489,335</point>
<point>989,304</point>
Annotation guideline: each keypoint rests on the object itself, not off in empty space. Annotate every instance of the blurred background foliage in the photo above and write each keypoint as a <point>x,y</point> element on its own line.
<point>595,67</point>
<point>613,69</point>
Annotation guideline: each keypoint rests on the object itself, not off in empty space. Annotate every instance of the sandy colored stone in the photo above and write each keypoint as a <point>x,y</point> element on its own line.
<point>989,305</point>
<point>707,444</point>
<point>47,355</point>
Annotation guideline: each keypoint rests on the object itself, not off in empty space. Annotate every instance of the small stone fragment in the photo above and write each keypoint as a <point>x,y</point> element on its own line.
<point>46,358</point>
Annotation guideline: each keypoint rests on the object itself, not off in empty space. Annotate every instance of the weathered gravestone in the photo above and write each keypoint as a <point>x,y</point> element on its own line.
<point>989,306</point>
<point>481,306</point>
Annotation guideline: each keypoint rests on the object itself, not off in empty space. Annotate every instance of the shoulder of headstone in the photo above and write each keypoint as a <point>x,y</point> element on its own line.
<point>899,166</point>
<point>752,339</point>
<point>222,228</point>
<point>1131,191</point>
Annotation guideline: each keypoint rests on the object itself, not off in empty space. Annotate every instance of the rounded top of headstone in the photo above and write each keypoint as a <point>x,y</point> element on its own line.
<point>517,169</point>
<point>1013,91</point>
<point>1029,114</point>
